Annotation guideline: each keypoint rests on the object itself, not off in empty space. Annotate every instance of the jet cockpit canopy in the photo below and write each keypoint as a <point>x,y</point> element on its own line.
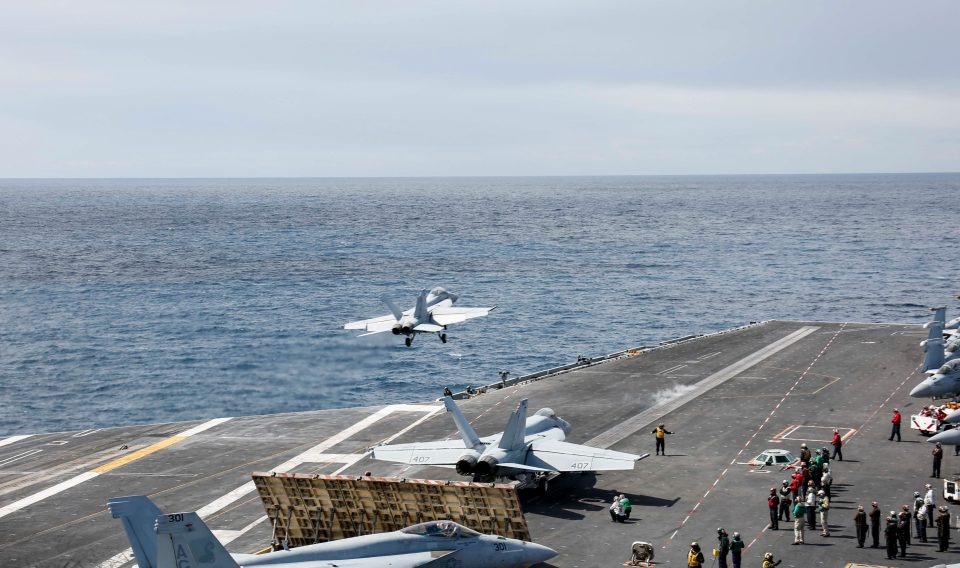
<point>442,529</point>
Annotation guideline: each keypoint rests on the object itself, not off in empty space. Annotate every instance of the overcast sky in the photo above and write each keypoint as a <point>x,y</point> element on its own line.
<point>409,88</point>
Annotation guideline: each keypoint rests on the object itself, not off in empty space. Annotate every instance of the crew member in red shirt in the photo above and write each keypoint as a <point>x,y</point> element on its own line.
<point>895,431</point>
<point>837,445</point>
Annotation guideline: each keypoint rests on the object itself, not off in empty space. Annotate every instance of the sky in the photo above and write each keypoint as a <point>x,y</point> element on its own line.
<point>477,88</point>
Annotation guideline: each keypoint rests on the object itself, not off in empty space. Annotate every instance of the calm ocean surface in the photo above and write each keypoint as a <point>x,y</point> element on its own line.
<point>131,301</point>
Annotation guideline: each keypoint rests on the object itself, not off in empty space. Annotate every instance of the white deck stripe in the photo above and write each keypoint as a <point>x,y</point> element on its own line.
<point>12,439</point>
<point>228,499</point>
<point>633,424</point>
<point>87,476</point>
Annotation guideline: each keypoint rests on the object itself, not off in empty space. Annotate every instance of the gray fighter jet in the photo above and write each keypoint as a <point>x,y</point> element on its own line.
<point>942,360</point>
<point>433,312</point>
<point>182,540</point>
<point>527,449</point>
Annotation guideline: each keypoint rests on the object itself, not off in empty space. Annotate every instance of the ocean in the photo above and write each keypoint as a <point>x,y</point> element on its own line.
<point>139,301</point>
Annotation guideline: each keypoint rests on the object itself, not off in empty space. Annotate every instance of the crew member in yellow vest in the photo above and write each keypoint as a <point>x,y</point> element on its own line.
<point>694,556</point>
<point>659,432</point>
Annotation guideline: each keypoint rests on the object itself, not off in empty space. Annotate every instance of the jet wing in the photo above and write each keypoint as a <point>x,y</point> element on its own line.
<point>444,452</point>
<point>425,559</point>
<point>373,324</point>
<point>563,456</point>
<point>446,315</point>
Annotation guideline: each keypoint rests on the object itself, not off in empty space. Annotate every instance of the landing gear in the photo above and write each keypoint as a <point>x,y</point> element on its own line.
<point>408,341</point>
<point>443,338</point>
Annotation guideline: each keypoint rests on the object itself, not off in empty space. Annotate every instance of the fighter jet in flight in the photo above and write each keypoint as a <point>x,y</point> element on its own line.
<point>527,449</point>
<point>433,312</point>
<point>183,539</point>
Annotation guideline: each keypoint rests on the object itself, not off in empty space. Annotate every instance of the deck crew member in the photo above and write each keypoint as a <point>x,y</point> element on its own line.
<point>904,517</point>
<point>660,434</point>
<point>903,531</point>
<point>837,445</point>
<point>860,521</point>
<point>736,549</point>
<point>930,500</point>
<point>694,556</point>
<point>723,541</point>
<point>811,509</point>
<point>943,529</point>
<point>823,507</point>
<point>798,511</point>
<point>784,494</point>
<point>875,525</point>
<point>937,458</point>
<point>804,453</point>
<point>890,534</point>
<point>895,425</point>
<point>768,561</point>
<point>773,504</point>
<point>919,524</point>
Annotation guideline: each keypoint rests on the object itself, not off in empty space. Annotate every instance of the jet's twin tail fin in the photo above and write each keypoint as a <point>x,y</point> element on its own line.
<point>183,539</point>
<point>939,314</point>
<point>516,430</point>
<point>469,435</point>
<point>394,309</point>
<point>138,515</point>
<point>420,312</point>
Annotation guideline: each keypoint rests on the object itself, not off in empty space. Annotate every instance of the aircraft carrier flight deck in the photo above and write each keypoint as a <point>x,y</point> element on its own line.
<point>726,397</point>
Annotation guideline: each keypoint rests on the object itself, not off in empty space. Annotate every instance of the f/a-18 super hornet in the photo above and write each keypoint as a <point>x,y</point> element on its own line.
<point>183,540</point>
<point>526,450</point>
<point>433,312</point>
<point>941,361</point>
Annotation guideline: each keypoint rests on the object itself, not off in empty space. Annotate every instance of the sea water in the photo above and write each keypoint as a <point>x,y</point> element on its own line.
<point>135,301</point>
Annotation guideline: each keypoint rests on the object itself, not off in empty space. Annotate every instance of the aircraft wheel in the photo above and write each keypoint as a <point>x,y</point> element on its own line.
<point>542,485</point>
<point>408,341</point>
<point>443,337</point>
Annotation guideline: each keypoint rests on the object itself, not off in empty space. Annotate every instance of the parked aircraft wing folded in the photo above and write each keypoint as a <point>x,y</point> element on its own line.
<point>564,456</point>
<point>451,315</point>
<point>443,452</point>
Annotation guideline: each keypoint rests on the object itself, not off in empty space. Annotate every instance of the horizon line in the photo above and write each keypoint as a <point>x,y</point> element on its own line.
<point>491,176</point>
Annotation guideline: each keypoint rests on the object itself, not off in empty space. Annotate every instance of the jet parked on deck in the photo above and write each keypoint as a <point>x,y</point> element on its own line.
<point>183,540</point>
<point>433,312</point>
<point>527,449</point>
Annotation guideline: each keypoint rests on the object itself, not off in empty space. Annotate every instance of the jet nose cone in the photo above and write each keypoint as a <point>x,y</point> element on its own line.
<point>949,438</point>
<point>923,390</point>
<point>536,553</point>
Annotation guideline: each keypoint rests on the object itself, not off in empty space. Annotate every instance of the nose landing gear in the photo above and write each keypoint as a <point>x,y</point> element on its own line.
<point>443,337</point>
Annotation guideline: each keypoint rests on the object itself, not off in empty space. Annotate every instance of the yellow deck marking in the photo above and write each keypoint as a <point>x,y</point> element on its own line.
<point>143,452</point>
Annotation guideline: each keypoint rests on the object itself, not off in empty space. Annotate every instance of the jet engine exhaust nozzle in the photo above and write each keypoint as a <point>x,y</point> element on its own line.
<point>485,467</point>
<point>467,463</point>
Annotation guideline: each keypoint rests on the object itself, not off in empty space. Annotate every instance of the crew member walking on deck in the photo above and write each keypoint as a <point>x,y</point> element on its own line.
<point>784,494</point>
<point>895,425</point>
<point>660,434</point>
<point>773,504</point>
<point>860,521</point>
<point>875,525</point>
<point>937,458</point>
<point>837,445</point>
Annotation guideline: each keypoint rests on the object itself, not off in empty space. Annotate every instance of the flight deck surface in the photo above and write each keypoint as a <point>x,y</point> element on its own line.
<point>726,397</point>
